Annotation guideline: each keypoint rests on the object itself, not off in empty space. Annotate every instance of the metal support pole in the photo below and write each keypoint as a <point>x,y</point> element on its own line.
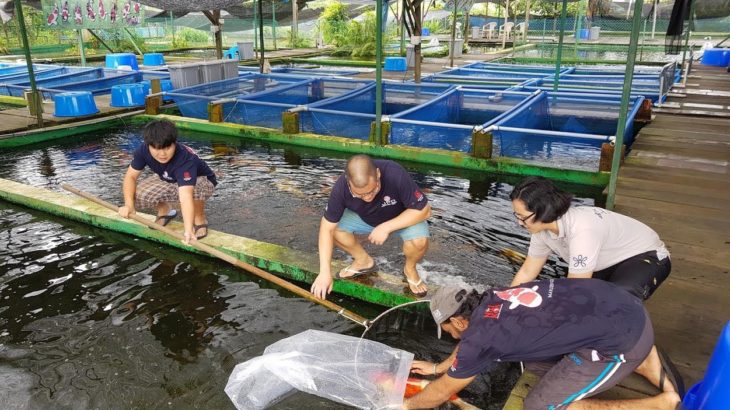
<point>403,28</point>
<point>100,40</point>
<point>82,53</point>
<point>378,69</point>
<point>273,22</point>
<point>261,34</point>
<point>625,98</point>
<point>255,22</point>
<point>29,62</point>
<point>689,29</point>
<point>294,24</point>
<point>172,26</point>
<point>563,13</point>
<point>418,16</point>
<point>506,16</point>
<point>452,49</point>
<point>131,40</point>
<point>527,20</point>
<point>578,25</point>
<point>653,24</point>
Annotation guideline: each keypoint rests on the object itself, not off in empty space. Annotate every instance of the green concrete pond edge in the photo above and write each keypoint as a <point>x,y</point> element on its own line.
<point>381,289</point>
<point>18,101</point>
<point>444,158</point>
<point>439,157</point>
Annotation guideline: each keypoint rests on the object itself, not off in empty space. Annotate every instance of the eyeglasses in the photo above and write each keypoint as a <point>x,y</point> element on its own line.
<point>373,192</point>
<point>523,220</point>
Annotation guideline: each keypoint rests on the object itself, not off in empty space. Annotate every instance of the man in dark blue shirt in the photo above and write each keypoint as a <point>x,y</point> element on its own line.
<point>582,336</point>
<point>181,176</point>
<point>377,198</point>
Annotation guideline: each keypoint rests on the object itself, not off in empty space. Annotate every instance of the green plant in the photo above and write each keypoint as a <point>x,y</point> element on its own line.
<point>301,41</point>
<point>179,42</point>
<point>435,26</point>
<point>192,36</point>
<point>333,23</point>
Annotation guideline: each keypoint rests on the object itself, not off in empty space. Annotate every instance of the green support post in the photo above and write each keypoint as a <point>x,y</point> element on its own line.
<point>100,40</point>
<point>577,25</point>
<point>563,14</point>
<point>82,53</point>
<point>452,46</point>
<point>378,67</point>
<point>261,36</point>
<point>403,29</point>
<point>36,99</point>
<point>131,40</point>
<point>172,27</point>
<point>255,37</point>
<point>625,98</point>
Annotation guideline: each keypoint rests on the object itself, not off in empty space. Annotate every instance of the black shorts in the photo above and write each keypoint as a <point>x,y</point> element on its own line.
<point>640,275</point>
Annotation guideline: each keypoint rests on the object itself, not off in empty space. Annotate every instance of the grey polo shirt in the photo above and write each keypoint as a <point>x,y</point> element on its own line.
<point>590,239</point>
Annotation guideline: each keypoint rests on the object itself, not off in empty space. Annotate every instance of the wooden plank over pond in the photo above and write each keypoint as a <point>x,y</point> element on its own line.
<point>380,288</point>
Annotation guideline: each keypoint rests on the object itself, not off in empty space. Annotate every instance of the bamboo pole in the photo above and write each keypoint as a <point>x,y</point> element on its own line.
<point>230,259</point>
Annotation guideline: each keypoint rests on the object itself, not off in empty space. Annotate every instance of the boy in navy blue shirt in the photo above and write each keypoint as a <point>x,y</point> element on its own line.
<point>377,198</point>
<point>582,336</point>
<point>181,176</point>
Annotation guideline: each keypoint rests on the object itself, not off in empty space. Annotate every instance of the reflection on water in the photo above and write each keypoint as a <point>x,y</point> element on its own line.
<point>95,319</point>
<point>92,319</point>
<point>277,195</point>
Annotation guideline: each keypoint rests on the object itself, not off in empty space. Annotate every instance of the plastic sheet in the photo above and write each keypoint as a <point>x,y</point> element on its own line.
<point>356,372</point>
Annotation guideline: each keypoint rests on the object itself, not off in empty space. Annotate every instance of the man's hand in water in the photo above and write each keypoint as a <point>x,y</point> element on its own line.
<point>423,367</point>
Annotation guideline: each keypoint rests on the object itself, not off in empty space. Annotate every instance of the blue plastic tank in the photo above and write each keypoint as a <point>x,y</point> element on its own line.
<point>128,95</point>
<point>425,32</point>
<point>719,57</point>
<point>395,64</point>
<point>153,59</point>
<point>74,104</point>
<point>713,392</point>
<point>118,59</point>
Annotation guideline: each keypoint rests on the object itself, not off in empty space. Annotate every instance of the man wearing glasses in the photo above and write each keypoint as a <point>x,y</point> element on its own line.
<point>377,198</point>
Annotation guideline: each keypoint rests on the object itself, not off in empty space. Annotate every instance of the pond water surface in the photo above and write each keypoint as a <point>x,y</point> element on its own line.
<point>95,319</point>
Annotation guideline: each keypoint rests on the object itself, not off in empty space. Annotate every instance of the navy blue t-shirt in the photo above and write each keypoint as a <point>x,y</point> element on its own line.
<point>397,193</point>
<point>544,320</point>
<point>184,167</point>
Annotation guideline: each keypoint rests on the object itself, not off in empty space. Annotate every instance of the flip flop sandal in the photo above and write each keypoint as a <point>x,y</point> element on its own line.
<point>165,219</point>
<point>201,226</point>
<point>416,283</point>
<point>357,272</point>
<point>670,372</point>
